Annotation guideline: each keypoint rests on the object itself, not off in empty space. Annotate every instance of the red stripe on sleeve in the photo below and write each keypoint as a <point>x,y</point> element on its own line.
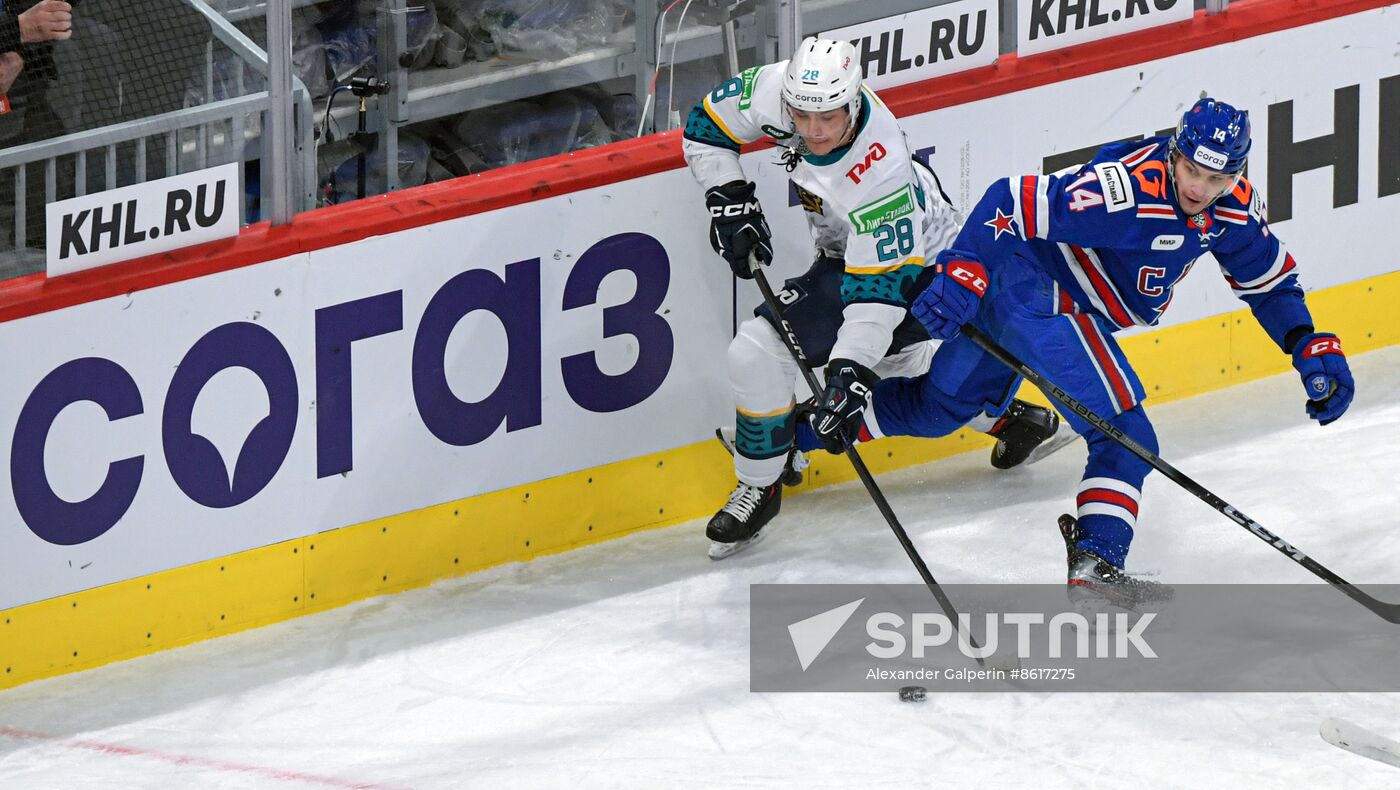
<point>1121,391</point>
<point>1028,207</point>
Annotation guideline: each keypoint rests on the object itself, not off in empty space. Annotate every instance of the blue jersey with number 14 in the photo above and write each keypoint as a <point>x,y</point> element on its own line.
<point>1116,243</point>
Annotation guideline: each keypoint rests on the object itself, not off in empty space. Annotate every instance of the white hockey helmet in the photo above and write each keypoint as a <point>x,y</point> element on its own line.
<point>823,75</point>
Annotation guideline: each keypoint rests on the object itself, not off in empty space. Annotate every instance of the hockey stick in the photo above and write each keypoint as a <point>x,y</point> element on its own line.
<point>1390,612</point>
<point>1359,740</point>
<point>795,349</point>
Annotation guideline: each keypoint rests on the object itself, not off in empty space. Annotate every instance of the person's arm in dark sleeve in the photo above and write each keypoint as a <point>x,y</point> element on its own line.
<point>9,31</point>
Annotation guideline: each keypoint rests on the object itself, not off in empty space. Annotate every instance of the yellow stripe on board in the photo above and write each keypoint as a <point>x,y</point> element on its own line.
<point>285,580</point>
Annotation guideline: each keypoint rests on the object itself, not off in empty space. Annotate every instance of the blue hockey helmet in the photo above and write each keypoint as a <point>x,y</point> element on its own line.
<point>1215,135</point>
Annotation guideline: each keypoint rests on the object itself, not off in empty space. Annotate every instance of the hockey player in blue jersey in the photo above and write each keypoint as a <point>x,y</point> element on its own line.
<point>1052,266</point>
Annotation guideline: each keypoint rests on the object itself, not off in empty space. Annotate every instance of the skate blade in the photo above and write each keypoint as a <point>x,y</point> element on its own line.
<point>1092,599</point>
<point>1062,438</point>
<point>719,551</point>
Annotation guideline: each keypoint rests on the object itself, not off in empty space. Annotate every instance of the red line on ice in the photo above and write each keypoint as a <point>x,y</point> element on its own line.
<point>187,759</point>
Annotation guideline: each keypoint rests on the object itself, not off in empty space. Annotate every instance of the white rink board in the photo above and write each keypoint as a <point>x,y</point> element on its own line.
<point>399,465</point>
<point>1043,25</point>
<point>924,44</point>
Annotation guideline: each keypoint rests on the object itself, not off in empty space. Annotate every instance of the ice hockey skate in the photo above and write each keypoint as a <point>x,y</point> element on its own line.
<point>742,521</point>
<point>793,470</point>
<point>1027,433</point>
<point>1095,584</point>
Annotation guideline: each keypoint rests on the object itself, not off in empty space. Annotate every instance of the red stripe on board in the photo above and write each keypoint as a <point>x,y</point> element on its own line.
<point>1107,496</point>
<point>190,760</point>
<point>1116,309</point>
<point>567,173</point>
<point>1120,390</point>
<point>335,225</point>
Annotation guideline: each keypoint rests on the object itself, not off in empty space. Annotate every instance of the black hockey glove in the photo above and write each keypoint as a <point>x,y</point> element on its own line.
<point>737,226</point>
<point>843,403</point>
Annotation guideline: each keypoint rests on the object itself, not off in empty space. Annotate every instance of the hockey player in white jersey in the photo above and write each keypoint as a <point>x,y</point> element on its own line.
<point>876,216</point>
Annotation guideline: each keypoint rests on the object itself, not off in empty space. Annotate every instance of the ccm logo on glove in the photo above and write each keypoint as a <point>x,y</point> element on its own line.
<point>970,274</point>
<point>736,209</point>
<point>1322,345</point>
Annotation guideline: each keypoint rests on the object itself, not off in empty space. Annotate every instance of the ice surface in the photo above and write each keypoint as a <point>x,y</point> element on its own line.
<point>626,664</point>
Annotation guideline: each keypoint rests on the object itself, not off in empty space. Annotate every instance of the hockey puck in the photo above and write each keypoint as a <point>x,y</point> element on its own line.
<point>913,694</point>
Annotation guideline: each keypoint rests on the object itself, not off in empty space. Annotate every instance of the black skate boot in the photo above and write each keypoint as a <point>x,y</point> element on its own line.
<point>1027,433</point>
<point>1093,582</point>
<point>741,522</point>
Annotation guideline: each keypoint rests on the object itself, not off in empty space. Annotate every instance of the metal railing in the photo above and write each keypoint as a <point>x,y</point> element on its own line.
<point>238,129</point>
<point>274,125</point>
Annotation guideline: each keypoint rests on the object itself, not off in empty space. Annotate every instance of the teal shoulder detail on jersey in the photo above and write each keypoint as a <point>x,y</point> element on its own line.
<point>890,288</point>
<point>701,128</point>
<point>835,156</point>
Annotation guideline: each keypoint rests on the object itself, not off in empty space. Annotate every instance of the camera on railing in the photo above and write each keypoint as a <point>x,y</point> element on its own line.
<point>368,86</point>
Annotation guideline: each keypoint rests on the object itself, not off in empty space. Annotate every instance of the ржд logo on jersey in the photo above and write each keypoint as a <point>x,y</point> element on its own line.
<point>875,154</point>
